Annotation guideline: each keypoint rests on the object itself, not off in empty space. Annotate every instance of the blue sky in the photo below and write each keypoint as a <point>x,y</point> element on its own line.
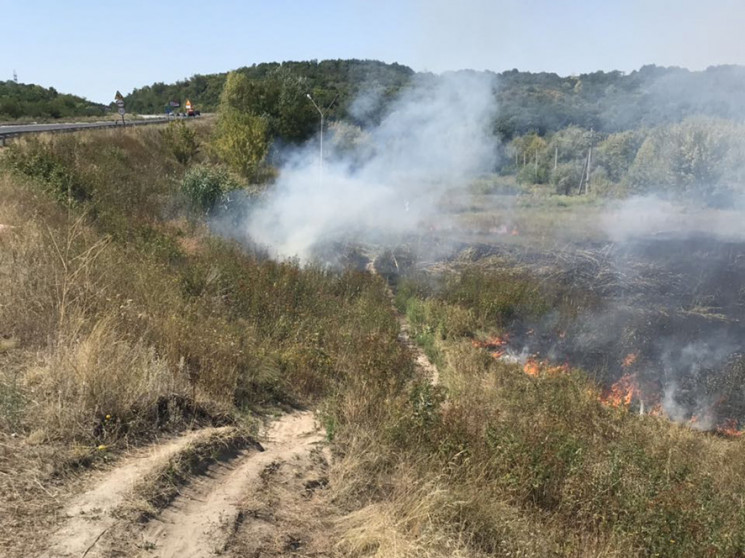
<point>92,48</point>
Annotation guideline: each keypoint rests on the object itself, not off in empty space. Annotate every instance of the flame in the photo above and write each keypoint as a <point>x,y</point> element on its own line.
<point>531,367</point>
<point>492,342</point>
<point>729,428</point>
<point>629,360</point>
<point>622,392</point>
<point>657,411</point>
<point>559,369</point>
<point>498,354</point>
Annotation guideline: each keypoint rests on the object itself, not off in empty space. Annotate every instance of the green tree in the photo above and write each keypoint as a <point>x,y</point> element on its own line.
<point>241,136</point>
<point>617,152</point>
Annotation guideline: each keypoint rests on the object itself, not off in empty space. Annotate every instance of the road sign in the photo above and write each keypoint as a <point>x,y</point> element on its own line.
<point>188,104</point>
<point>121,111</point>
<point>120,103</point>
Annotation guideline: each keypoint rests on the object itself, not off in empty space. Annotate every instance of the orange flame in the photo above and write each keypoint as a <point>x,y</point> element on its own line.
<point>531,367</point>
<point>656,411</point>
<point>629,360</point>
<point>729,428</point>
<point>622,392</point>
<point>492,342</point>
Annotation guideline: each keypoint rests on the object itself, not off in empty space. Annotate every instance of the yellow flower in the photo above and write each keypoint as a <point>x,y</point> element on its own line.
<point>102,447</point>
<point>108,417</point>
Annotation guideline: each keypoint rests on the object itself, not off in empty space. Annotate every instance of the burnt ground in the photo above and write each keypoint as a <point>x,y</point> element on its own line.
<point>667,309</point>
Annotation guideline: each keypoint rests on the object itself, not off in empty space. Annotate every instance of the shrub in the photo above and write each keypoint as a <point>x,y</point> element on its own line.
<point>204,186</point>
<point>181,140</point>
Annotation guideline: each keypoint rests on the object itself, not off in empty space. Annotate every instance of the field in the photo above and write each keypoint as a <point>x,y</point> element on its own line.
<point>588,398</point>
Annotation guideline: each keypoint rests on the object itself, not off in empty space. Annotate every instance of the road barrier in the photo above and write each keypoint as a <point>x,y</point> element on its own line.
<point>8,132</point>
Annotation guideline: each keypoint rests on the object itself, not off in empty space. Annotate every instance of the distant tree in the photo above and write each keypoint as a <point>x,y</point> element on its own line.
<point>699,154</point>
<point>617,152</point>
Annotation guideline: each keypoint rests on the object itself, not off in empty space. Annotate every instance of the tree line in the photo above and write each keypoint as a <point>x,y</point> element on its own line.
<point>19,100</point>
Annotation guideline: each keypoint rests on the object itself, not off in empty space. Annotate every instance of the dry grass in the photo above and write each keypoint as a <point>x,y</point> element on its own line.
<point>121,318</point>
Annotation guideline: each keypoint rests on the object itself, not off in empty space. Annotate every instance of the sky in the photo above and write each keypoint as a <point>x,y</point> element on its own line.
<point>95,47</point>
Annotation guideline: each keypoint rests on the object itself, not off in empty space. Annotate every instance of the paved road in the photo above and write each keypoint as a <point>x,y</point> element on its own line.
<point>19,129</point>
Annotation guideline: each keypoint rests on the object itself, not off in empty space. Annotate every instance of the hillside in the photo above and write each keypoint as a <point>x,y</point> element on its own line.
<point>540,102</point>
<point>19,100</point>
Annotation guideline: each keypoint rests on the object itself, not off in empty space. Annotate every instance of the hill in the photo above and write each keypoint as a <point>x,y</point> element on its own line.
<point>541,102</point>
<point>19,100</point>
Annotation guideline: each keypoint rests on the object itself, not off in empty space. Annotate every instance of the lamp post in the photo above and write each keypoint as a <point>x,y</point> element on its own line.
<point>320,165</point>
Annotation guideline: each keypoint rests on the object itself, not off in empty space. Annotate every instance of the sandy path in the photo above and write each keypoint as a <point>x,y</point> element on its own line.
<point>404,329</point>
<point>89,516</point>
<point>199,522</point>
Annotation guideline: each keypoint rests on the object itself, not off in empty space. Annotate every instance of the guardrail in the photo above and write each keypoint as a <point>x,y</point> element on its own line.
<point>11,131</point>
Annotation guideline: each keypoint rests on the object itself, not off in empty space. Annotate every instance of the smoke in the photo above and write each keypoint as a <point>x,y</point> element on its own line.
<point>647,216</point>
<point>386,182</point>
<point>683,371</point>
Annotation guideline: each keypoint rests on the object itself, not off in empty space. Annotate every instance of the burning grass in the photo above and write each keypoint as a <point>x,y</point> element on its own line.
<point>589,458</point>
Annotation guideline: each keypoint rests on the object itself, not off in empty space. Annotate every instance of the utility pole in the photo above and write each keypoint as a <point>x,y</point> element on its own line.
<point>320,163</point>
<point>15,76</point>
<point>556,157</point>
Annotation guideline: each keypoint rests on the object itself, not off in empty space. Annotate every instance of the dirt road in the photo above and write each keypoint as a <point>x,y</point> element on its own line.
<point>201,520</point>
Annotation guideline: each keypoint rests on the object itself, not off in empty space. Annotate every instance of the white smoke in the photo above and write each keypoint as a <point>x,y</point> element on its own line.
<point>650,216</point>
<point>436,134</point>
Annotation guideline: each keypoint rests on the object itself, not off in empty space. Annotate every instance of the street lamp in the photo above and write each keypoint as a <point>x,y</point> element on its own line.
<point>320,166</point>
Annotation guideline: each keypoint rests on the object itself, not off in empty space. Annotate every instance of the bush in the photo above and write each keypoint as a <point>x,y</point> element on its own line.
<point>204,186</point>
<point>181,140</point>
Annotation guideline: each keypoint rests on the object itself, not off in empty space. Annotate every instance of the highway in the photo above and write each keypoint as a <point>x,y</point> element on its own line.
<point>13,130</point>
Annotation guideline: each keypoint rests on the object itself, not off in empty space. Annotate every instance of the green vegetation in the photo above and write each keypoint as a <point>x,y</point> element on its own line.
<point>699,156</point>
<point>204,186</point>
<point>242,133</point>
<point>19,100</point>
<point>604,133</point>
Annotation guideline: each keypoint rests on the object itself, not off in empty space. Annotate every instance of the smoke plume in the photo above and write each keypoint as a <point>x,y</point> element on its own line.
<point>388,179</point>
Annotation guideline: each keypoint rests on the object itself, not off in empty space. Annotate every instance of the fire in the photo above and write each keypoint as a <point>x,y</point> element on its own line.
<point>729,428</point>
<point>559,369</point>
<point>656,411</point>
<point>629,360</point>
<point>531,367</point>
<point>622,392</point>
<point>492,342</point>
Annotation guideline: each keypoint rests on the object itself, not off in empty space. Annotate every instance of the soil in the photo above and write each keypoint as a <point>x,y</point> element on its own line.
<point>214,513</point>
